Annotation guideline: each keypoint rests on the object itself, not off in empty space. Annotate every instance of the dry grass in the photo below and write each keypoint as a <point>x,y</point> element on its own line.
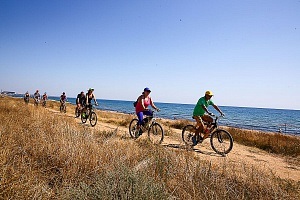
<point>272,142</point>
<point>177,124</point>
<point>47,156</point>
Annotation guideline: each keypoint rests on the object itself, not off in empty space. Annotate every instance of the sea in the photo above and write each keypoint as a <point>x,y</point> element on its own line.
<point>261,119</point>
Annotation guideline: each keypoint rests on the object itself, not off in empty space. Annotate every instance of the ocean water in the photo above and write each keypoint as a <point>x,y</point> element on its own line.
<point>273,120</point>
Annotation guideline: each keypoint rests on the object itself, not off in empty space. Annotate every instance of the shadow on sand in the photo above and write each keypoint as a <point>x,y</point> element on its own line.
<point>195,149</point>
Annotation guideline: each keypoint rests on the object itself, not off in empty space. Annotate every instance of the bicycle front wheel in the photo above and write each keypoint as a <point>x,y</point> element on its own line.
<point>77,112</point>
<point>156,133</point>
<point>93,119</point>
<point>187,133</point>
<point>83,117</point>
<point>133,128</point>
<point>221,141</point>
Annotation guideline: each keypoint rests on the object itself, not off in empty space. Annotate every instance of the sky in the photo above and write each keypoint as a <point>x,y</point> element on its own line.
<point>247,52</point>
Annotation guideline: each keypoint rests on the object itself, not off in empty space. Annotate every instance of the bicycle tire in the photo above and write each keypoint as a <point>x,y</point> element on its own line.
<point>187,133</point>
<point>156,133</point>
<point>93,119</point>
<point>132,127</point>
<point>83,117</point>
<point>221,138</point>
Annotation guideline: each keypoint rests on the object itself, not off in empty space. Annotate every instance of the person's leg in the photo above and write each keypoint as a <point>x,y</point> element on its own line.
<point>199,125</point>
<point>148,113</point>
<point>209,120</point>
<point>140,116</point>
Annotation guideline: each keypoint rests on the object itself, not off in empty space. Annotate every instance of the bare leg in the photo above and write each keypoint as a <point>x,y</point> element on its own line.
<point>209,120</point>
<point>199,126</point>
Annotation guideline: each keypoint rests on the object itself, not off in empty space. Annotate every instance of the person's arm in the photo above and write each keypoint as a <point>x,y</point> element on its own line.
<point>87,100</point>
<point>95,100</point>
<point>152,104</point>
<point>204,108</point>
<point>218,109</point>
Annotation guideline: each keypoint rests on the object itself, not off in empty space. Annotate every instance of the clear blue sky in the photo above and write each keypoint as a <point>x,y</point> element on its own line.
<point>247,52</point>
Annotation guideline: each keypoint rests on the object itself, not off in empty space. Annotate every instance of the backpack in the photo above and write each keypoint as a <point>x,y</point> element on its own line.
<point>136,102</point>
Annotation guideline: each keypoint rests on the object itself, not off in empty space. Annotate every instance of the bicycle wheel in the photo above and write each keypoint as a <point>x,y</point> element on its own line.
<point>65,109</point>
<point>133,128</point>
<point>221,141</point>
<point>60,108</point>
<point>93,119</point>
<point>187,133</point>
<point>84,117</point>
<point>156,133</point>
<point>77,112</point>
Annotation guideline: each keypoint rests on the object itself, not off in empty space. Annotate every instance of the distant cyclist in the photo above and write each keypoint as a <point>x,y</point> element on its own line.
<point>201,114</point>
<point>89,97</point>
<point>44,98</point>
<point>36,97</point>
<point>63,98</point>
<point>141,107</point>
<point>26,97</point>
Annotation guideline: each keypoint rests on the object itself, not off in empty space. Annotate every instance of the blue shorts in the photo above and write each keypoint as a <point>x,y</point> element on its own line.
<point>140,115</point>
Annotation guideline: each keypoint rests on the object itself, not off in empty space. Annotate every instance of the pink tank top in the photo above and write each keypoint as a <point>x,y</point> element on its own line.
<point>139,106</point>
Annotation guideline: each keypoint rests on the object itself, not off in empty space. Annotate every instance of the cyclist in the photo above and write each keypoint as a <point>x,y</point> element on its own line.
<point>26,97</point>
<point>37,97</point>
<point>63,98</point>
<point>201,114</point>
<point>80,101</point>
<point>45,98</point>
<point>89,97</point>
<point>142,104</point>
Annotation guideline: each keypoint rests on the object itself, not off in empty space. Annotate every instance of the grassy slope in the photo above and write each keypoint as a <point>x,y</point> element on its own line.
<point>47,156</point>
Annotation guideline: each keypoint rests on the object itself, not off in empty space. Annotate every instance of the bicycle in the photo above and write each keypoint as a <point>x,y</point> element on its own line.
<point>63,107</point>
<point>221,140</point>
<point>155,130</point>
<point>89,113</point>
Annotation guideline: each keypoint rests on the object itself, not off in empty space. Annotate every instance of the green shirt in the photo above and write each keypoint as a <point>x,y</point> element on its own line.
<point>198,110</point>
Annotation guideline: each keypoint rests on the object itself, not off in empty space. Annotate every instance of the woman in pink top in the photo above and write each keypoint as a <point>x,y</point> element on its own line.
<point>141,108</point>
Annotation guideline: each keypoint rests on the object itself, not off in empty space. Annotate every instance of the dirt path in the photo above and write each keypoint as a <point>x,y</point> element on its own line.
<point>241,156</point>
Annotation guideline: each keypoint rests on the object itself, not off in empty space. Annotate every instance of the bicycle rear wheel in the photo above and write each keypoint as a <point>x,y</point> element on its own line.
<point>93,119</point>
<point>133,128</point>
<point>187,133</point>
<point>156,133</point>
<point>221,141</point>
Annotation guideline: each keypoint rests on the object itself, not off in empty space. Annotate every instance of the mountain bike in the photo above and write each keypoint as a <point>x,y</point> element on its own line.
<point>221,140</point>
<point>89,114</point>
<point>63,107</point>
<point>155,130</point>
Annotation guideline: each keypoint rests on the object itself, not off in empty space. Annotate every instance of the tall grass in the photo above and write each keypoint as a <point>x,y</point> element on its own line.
<point>49,156</point>
<point>272,142</point>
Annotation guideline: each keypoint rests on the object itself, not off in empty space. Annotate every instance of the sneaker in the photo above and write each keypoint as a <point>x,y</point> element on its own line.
<point>194,140</point>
